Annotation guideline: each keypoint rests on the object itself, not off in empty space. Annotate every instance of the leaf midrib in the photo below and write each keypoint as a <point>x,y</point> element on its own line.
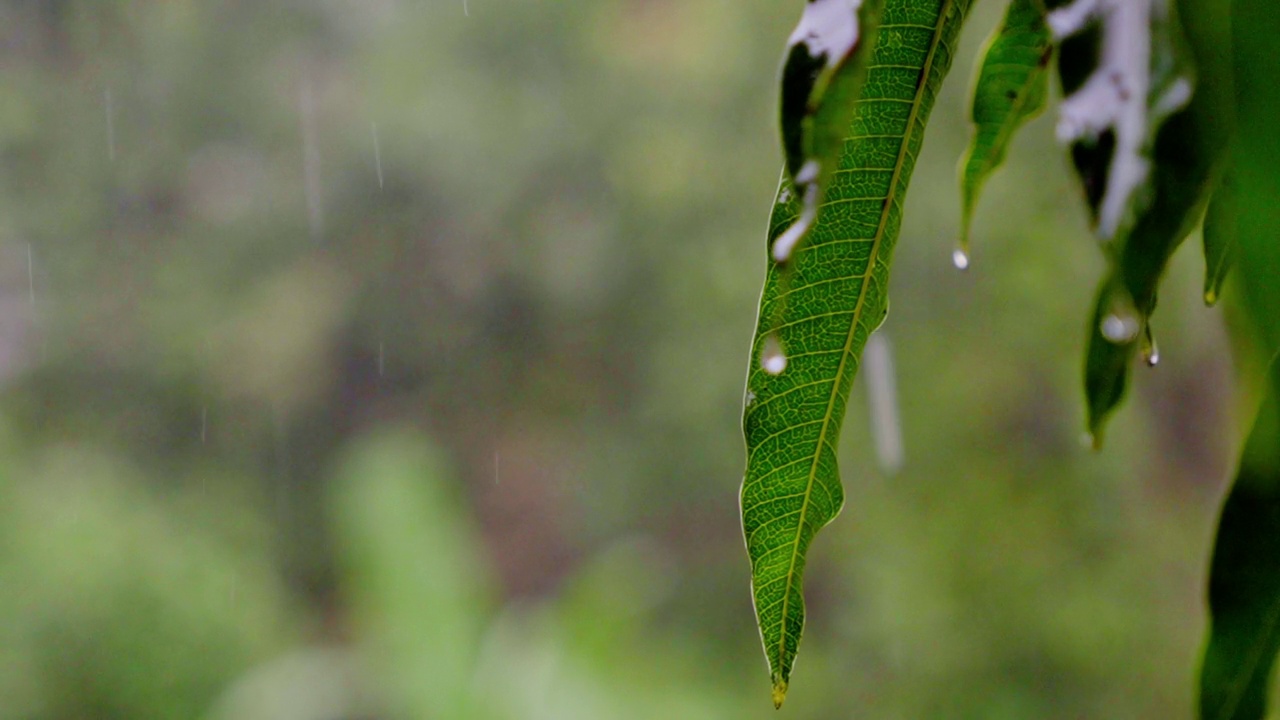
<point>921,88</point>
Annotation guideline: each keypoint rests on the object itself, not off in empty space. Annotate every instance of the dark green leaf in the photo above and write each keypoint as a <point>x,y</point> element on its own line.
<point>1145,159</point>
<point>813,326</point>
<point>1010,90</point>
<point>1244,585</point>
<point>1244,579</point>
<point>1181,173</point>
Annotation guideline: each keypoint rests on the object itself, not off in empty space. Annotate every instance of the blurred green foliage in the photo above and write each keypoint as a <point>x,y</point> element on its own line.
<point>211,312</point>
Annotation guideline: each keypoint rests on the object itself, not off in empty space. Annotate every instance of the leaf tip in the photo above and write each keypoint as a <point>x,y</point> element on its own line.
<point>1211,297</point>
<point>779,692</point>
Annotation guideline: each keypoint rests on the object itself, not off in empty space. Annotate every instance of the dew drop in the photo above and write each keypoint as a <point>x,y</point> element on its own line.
<point>1119,328</point>
<point>772,359</point>
<point>960,258</point>
<point>1210,297</point>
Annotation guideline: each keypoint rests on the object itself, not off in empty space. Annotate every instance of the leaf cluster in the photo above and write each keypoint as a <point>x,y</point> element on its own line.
<point>1165,112</point>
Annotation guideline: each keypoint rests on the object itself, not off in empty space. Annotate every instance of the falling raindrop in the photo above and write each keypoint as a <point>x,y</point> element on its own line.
<point>465,9</point>
<point>204,424</point>
<point>111,129</point>
<point>497,467</point>
<point>382,357</point>
<point>377,153</point>
<point>960,258</point>
<point>772,358</point>
<point>31,277</point>
<point>882,394</point>
<point>311,163</point>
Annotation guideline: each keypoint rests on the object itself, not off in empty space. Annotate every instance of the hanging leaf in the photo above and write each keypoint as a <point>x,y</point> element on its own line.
<point>1011,89</point>
<point>812,328</point>
<point>1182,164</point>
<point>824,68</point>
<point>1219,238</point>
<point>1244,579</point>
<point>1144,148</point>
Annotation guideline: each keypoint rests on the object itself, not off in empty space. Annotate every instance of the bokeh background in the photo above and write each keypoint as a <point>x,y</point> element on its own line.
<point>385,359</point>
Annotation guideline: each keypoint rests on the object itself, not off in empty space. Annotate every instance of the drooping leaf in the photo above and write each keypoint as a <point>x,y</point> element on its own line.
<point>1011,89</point>
<point>812,328</point>
<point>1219,237</point>
<point>1244,578</point>
<point>1144,146</point>
<point>1182,164</point>
<point>1244,583</point>
<point>825,66</point>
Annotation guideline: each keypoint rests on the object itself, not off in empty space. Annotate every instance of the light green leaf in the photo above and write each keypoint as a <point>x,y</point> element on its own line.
<point>1011,89</point>
<point>1219,237</point>
<point>411,573</point>
<point>817,312</point>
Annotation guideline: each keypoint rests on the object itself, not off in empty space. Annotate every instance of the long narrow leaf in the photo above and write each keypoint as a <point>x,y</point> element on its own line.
<point>812,328</point>
<point>1143,145</point>
<point>1182,162</point>
<point>1011,89</point>
<point>1244,584</point>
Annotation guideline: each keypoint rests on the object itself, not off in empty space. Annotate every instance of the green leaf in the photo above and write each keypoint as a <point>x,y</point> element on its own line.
<point>1244,583</point>
<point>1122,315</point>
<point>822,74</point>
<point>1145,160</point>
<point>1219,237</point>
<point>1011,89</point>
<point>817,312</point>
<point>1244,578</point>
<point>411,573</point>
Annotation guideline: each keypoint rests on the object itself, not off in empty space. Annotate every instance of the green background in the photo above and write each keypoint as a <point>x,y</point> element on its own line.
<point>280,441</point>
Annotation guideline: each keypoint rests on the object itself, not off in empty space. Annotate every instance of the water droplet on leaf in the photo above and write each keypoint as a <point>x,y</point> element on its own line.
<point>772,359</point>
<point>960,258</point>
<point>1120,328</point>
